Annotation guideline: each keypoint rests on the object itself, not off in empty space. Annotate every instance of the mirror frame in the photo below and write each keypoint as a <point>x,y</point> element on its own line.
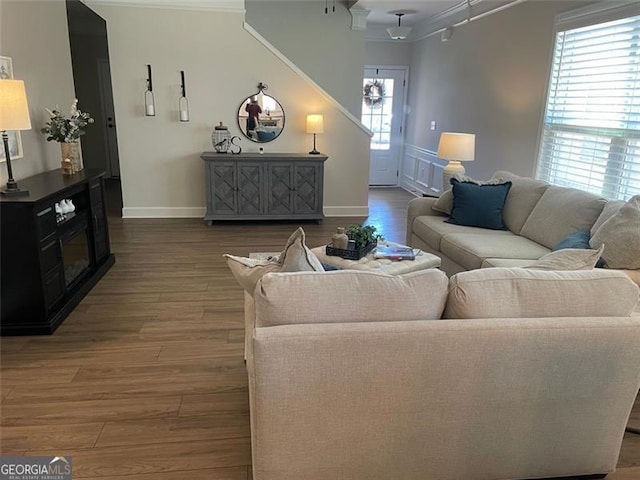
<point>261,90</point>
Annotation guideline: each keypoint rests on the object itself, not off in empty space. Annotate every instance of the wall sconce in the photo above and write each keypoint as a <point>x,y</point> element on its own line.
<point>455,147</point>
<point>183,103</point>
<point>315,124</point>
<point>14,115</point>
<point>149,102</point>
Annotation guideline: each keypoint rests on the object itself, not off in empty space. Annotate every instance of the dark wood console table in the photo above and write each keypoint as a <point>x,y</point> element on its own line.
<point>49,263</point>
<point>275,186</point>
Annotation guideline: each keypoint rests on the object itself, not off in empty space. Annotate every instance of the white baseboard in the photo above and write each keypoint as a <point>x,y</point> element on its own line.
<point>163,212</point>
<point>198,212</point>
<point>346,211</point>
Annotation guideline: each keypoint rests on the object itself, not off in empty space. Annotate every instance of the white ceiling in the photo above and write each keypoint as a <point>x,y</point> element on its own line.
<point>416,10</point>
<point>427,17</point>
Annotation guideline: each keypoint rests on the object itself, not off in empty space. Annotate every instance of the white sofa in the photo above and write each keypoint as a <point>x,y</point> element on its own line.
<point>494,374</point>
<point>537,215</point>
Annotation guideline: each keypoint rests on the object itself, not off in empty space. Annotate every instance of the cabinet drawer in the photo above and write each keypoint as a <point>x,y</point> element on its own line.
<point>50,255</point>
<point>54,287</point>
<point>46,221</point>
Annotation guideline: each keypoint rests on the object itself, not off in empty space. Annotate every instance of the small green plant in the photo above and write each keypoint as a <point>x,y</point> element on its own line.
<point>363,235</point>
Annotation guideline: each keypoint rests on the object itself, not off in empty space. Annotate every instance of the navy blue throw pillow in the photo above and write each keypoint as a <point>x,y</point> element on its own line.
<point>577,239</point>
<point>478,205</point>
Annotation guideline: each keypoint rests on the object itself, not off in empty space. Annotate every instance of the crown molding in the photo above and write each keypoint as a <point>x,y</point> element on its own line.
<point>224,6</point>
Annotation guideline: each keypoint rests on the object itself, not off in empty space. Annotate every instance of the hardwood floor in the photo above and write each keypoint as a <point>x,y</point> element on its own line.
<point>145,380</point>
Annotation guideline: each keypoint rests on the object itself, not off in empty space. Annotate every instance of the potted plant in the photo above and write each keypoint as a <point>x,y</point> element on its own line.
<point>67,131</point>
<point>363,235</point>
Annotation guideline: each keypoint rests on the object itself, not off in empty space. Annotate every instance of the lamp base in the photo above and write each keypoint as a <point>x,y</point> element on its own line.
<point>14,192</point>
<point>451,170</point>
<point>314,152</point>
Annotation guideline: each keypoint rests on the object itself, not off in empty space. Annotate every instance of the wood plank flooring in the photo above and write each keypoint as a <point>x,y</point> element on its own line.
<point>145,380</point>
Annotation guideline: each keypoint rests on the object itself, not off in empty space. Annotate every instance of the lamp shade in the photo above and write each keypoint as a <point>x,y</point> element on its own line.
<point>315,123</point>
<point>398,33</point>
<point>460,147</point>
<point>14,111</point>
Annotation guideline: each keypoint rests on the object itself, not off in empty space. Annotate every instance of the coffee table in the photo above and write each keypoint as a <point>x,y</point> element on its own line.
<point>422,261</point>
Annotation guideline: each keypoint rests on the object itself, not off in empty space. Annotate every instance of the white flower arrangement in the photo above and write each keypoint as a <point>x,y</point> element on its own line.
<point>63,129</point>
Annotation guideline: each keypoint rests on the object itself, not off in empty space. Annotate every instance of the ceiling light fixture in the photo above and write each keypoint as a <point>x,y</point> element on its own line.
<point>399,32</point>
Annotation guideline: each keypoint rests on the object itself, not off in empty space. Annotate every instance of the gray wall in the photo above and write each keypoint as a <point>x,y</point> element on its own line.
<point>322,46</point>
<point>34,34</point>
<point>489,79</point>
<point>388,53</point>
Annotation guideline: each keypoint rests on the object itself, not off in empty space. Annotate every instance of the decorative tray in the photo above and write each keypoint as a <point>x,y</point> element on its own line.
<point>355,254</point>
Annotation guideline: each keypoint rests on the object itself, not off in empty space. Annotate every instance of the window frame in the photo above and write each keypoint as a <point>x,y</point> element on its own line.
<point>594,14</point>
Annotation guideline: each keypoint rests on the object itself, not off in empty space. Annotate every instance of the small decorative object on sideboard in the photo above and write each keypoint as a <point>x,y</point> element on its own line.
<point>362,240</point>
<point>221,138</point>
<point>67,131</point>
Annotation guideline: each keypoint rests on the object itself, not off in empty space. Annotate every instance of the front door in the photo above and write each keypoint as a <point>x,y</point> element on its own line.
<point>383,114</point>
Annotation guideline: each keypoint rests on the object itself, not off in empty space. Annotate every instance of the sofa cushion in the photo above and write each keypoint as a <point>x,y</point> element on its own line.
<point>568,259</point>
<point>620,235</point>
<point>522,199</point>
<point>507,262</point>
<point>559,212</point>
<point>431,229</point>
<point>349,296</point>
<point>471,250</point>
<point>478,205</point>
<point>522,293</point>
<point>295,257</point>
<point>611,208</point>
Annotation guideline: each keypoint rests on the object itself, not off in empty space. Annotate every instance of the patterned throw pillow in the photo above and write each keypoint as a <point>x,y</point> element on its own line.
<point>296,257</point>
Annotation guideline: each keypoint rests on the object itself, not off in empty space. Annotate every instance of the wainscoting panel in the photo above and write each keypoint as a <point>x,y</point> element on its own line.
<point>421,171</point>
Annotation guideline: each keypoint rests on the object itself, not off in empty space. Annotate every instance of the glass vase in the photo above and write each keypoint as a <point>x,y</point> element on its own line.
<point>72,152</point>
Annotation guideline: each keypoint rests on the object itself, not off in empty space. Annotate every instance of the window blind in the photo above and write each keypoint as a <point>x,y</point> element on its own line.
<point>591,128</point>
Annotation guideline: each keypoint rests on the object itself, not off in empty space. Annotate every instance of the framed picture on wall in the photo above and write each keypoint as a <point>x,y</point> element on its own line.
<point>15,141</point>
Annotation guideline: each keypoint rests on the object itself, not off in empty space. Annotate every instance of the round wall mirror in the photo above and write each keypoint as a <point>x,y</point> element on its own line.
<point>261,117</point>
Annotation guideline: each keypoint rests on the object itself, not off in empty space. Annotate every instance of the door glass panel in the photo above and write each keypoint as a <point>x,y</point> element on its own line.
<point>377,105</point>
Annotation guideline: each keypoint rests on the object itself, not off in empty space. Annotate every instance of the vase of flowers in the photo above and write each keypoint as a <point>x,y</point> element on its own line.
<point>67,131</point>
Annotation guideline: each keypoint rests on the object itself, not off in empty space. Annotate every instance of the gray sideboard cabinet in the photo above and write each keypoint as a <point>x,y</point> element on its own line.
<point>251,186</point>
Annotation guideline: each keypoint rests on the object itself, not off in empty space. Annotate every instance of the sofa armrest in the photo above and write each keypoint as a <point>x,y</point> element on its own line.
<point>419,207</point>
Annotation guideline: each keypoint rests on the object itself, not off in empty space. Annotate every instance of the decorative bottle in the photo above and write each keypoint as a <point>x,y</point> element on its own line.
<point>340,239</point>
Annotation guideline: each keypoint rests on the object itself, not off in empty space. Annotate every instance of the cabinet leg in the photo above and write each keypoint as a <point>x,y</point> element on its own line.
<point>210,223</point>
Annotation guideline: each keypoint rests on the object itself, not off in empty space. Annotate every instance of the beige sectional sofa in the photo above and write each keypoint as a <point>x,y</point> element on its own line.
<point>537,215</point>
<point>493,374</point>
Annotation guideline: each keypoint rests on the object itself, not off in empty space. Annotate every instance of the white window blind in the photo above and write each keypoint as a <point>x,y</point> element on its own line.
<point>591,128</point>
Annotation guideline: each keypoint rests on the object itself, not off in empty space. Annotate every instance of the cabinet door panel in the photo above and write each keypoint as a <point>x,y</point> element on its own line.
<point>250,181</point>
<point>280,189</point>
<point>46,221</point>
<point>50,256</point>
<point>54,287</point>
<point>306,182</point>
<point>224,181</point>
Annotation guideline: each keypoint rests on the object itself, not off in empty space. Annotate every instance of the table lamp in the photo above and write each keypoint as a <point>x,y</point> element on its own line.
<point>315,124</point>
<point>14,115</point>
<point>455,147</point>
